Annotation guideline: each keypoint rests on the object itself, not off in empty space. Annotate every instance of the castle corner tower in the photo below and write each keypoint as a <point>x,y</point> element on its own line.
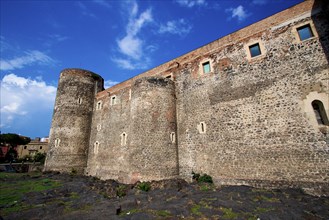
<point>70,129</point>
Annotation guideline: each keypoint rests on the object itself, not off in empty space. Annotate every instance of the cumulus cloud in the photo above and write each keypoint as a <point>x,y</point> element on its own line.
<point>24,96</point>
<point>191,3</point>
<point>180,27</point>
<point>30,57</point>
<point>239,12</point>
<point>131,45</point>
<point>109,83</point>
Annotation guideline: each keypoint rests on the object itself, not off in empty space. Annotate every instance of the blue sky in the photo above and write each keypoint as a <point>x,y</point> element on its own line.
<point>116,39</point>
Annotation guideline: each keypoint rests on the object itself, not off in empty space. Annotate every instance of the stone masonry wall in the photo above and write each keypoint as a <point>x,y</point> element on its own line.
<point>69,134</point>
<point>249,121</point>
<point>256,124</point>
<point>147,118</point>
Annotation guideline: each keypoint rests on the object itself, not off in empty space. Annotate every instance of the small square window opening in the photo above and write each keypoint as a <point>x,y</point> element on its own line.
<point>305,32</point>
<point>206,67</point>
<point>255,50</point>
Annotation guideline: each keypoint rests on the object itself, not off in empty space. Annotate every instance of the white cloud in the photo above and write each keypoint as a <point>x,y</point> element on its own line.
<point>191,3</point>
<point>30,57</point>
<point>259,2</point>
<point>131,45</point>
<point>179,27</point>
<point>84,10</point>
<point>23,96</point>
<point>58,37</point>
<point>239,12</point>
<point>102,3</point>
<point>109,83</point>
<point>132,64</point>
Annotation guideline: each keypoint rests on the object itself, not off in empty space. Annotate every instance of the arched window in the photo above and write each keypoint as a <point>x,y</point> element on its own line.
<point>172,137</point>
<point>202,127</point>
<point>96,145</point>
<point>57,141</point>
<point>123,139</point>
<point>320,113</point>
<point>113,100</point>
<point>99,105</point>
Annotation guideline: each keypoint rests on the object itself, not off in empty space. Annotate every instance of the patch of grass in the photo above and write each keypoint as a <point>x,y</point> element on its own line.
<point>204,204</point>
<point>74,195</point>
<point>144,186</point>
<point>163,213</point>
<point>130,212</point>
<point>265,198</point>
<point>263,210</point>
<point>196,210</point>
<point>206,186</point>
<point>228,213</point>
<point>12,191</point>
<point>121,191</point>
<point>4,175</point>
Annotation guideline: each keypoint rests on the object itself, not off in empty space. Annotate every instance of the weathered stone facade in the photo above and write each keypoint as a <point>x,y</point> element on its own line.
<point>32,148</point>
<point>246,120</point>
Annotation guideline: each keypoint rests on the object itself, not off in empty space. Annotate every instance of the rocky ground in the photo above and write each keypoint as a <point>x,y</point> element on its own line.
<point>64,196</point>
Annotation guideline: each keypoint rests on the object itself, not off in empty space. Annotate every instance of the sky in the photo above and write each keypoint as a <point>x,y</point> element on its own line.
<point>115,39</point>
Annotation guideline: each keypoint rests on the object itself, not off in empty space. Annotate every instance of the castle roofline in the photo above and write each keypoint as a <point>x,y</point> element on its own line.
<point>242,34</point>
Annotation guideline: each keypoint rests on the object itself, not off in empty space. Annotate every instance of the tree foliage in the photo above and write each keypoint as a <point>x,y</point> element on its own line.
<point>14,139</point>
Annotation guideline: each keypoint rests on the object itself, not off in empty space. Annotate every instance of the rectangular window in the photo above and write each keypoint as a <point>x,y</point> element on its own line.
<point>206,67</point>
<point>305,32</point>
<point>255,50</point>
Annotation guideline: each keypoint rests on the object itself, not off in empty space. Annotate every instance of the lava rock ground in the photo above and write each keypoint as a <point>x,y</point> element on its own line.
<point>82,197</point>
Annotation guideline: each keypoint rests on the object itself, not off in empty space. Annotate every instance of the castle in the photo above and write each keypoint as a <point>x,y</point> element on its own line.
<point>249,108</point>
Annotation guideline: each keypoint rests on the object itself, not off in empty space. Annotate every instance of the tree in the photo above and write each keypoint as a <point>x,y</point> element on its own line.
<point>11,154</point>
<point>39,157</point>
<point>14,139</point>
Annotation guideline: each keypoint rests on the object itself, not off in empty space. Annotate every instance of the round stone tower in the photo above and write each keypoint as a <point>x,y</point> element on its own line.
<point>70,129</point>
<point>153,130</point>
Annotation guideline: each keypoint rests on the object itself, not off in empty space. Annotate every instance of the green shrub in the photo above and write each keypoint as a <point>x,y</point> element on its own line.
<point>205,178</point>
<point>144,186</point>
<point>40,157</point>
<point>121,191</point>
<point>195,176</point>
<point>74,171</point>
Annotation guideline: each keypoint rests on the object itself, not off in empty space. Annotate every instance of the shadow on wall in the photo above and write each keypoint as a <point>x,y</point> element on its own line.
<point>322,27</point>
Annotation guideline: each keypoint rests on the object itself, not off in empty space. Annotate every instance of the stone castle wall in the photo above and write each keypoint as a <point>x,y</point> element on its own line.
<point>250,119</point>
<point>70,129</point>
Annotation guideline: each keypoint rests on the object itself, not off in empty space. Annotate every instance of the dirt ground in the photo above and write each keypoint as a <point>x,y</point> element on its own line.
<point>65,196</point>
